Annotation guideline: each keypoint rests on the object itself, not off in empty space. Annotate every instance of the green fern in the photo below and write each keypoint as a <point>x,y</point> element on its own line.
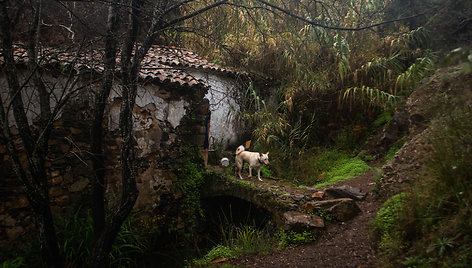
<point>417,38</point>
<point>417,71</point>
<point>374,96</point>
<point>379,70</point>
<point>341,49</point>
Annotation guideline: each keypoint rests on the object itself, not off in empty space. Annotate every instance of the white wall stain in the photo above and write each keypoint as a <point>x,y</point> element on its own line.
<point>176,110</point>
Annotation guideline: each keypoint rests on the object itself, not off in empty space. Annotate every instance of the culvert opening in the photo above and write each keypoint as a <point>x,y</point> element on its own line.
<point>225,214</point>
<point>224,217</point>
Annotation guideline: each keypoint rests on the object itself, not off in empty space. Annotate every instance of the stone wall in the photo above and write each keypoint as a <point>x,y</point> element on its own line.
<point>162,124</point>
<point>69,173</point>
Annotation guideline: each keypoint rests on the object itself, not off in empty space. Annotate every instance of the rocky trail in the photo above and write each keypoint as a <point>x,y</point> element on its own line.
<point>341,244</point>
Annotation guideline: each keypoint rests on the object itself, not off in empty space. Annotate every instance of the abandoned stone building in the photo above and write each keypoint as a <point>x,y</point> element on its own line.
<point>173,83</point>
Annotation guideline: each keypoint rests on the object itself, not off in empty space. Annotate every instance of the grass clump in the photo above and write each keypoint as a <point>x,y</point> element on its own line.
<point>292,239</point>
<point>389,213</point>
<point>76,234</point>
<point>432,225</point>
<point>238,241</point>
<point>248,240</point>
<point>218,252</point>
<point>320,167</point>
<point>14,263</point>
<point>246,184</point>
<point>364,156</point>
<point>342,169</point>
<point>388,237</point>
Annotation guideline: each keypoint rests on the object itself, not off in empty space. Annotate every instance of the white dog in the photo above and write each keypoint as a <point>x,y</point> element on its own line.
<point>254,160</point>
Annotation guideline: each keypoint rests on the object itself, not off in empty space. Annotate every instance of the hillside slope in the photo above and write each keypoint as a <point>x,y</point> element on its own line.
<point>429,224</point>
<point>448,90</point>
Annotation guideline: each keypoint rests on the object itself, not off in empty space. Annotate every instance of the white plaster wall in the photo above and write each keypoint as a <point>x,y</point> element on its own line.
<point>172,111</point>
<point>58,86</point>
<point>223,127</point>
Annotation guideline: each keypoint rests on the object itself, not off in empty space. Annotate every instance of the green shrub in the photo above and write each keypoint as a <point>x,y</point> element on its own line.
<point>265,172</point>
<point>382,119</point>
<point>292,239</point>
<point>452,154</point>
<point>191,177</point>
<point>346,138</point>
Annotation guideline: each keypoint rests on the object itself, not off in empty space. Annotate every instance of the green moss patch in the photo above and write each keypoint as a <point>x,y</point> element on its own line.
<point>342,170</point>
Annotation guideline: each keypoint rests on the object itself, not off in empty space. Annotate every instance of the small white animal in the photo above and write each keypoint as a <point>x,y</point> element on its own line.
<point>255,160</point>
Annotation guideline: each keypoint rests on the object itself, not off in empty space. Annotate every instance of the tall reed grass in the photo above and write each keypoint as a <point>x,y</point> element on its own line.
<point>76,236</point>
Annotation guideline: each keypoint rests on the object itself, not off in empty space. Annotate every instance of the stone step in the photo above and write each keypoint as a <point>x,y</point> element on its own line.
<point>343,209</point>
<point>297,221</point>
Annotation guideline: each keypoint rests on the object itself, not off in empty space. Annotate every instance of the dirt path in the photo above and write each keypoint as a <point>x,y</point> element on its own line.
<point>343,244</point>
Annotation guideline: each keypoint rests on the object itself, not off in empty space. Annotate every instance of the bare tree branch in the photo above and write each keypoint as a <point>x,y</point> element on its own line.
<point>336,27</point>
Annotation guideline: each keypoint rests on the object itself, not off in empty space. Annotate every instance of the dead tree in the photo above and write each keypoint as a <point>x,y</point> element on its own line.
<point>33,138</point>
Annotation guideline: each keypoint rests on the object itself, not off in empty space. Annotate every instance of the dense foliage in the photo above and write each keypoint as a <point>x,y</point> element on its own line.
<point>331,84</point>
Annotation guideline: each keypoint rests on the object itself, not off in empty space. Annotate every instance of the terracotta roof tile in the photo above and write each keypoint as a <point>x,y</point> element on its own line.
<point>163,63</point>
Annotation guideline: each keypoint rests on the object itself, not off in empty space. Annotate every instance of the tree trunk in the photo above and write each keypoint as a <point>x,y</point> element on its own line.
<point>34,184</point>
<point>104,241</point>
<point>98,182</point>
<point>47,234</point>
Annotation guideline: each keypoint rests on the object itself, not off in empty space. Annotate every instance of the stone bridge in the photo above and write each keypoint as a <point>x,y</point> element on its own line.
<point>290,207</point>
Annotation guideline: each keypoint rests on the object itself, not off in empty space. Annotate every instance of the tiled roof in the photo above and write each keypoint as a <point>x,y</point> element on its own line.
<point>181,57</point>
<point>163,63</point>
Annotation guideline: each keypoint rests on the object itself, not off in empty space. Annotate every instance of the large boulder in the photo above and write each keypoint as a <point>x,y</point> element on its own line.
<point>343,209</point>
<point>346,191</point>
<point>298,221</point>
